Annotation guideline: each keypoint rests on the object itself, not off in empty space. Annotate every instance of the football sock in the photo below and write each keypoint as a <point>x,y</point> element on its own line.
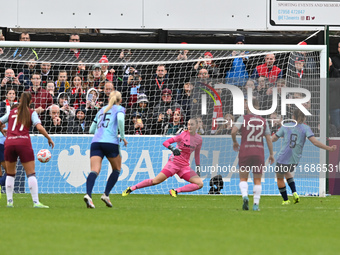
<point>257,193</point>
<point>9,188</point>
<point>33,186</point>
<point>142,184</point>
<point>283,192</point>
<point>291,184</point>
<point>91,179</point>
<point>188,188</point>
<point>111,181</point>
<point>244,188</point>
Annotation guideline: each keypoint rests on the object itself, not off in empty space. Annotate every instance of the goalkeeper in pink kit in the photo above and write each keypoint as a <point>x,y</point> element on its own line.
<point>187,142</point>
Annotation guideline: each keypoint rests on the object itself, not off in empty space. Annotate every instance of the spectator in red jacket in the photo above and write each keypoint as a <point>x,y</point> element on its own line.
<point>40,97</point>
<point>268,69</point>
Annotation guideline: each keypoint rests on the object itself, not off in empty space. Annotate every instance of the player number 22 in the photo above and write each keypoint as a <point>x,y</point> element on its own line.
<point>251,137</point>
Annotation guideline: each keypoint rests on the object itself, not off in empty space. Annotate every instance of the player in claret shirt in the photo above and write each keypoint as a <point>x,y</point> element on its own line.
<point>18,144</point>
<point>187,142</point>
<point>251,152</point>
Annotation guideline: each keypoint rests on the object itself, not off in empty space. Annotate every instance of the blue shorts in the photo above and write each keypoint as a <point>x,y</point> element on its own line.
<point>109,150</point>
<point>2,152</point>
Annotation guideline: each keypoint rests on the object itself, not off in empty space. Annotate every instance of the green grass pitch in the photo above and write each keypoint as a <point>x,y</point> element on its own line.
<point>160,224</point>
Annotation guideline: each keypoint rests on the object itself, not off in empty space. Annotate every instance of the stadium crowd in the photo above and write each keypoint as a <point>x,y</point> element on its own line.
<point>67,92</point>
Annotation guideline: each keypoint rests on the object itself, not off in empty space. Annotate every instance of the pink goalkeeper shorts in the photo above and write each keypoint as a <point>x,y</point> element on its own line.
<point>184,172</point>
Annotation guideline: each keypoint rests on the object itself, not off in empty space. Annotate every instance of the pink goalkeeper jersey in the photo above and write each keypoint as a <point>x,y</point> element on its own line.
<point>187,144</point>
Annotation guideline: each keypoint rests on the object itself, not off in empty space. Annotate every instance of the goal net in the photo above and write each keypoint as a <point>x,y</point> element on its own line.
<point>162,86</point>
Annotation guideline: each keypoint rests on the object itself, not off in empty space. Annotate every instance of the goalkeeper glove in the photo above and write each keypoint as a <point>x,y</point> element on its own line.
<point>174,150</point>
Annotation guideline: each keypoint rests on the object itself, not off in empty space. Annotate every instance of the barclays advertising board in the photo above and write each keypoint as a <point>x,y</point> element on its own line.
<point>144,158</point>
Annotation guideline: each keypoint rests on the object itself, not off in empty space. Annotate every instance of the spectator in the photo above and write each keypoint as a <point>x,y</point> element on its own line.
<point>62,85</point>
<point>126,69</point>
<point>40,97</point>
<point>267,100</point>
<point>24,76</point>
<point>25,52</point>
<point>251,84</point>
<point>92,106</point>
<point>226,128</point>
<point>217,113</point>
<point>25,37</point>
<point>158,83</point>
<point>268,70</point>
<point>180,76</point>
<point>142,107</point>
<point>207,63</point>
<point>136,125</point>
<point>106,70</point>
<point>262,86</point>
<point>334,92</point>
<point>183,54</point>
<point>50,88</point>
<point>104,95</point>
<point>336,59</point>
<point>55,122</point>
<point>2,38</point>
<point>81,71</point>
<point>75,38</point>
<point>80,125</point>
<point>96,78</point>
<point>201,128</point>
<point>10,82</point>
<point>237,65</point>
<point>64,105</point>
<point>203,74</point>
<point>167,106</point>
<point>184,99</point>
<point>5,106</point>
<point>46,73</point>
<point>175,125</point>
<point>134,85</point>
<point>298,76</point>
<point>78,92</point>
<point>163,112</point>
<point>310,64</point>
<point>275,122</point>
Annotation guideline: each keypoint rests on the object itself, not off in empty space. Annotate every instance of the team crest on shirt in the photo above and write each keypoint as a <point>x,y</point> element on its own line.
<point>75,167</point>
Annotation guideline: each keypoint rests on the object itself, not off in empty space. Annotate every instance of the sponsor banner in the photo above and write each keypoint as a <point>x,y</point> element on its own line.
<point>144,158</point>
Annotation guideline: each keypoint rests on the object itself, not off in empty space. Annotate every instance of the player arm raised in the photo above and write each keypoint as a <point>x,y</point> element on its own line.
<point>168,145</point>
<point>321,145</point>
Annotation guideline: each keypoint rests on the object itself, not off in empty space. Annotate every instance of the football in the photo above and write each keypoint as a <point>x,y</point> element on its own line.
<point>44,155</point>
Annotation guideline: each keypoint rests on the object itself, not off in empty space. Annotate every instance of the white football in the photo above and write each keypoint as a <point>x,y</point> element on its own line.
<point>44,155</point>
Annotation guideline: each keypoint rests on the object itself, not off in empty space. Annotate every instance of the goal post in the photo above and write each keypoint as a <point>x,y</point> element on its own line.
<point>145,156</point>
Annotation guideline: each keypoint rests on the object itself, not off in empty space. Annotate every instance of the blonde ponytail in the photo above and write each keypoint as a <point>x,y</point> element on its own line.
<point>115,97</point>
